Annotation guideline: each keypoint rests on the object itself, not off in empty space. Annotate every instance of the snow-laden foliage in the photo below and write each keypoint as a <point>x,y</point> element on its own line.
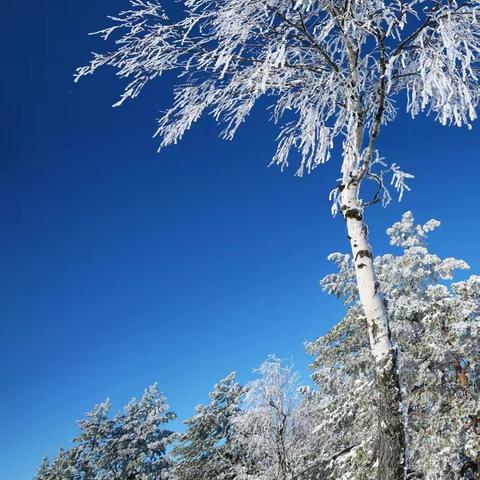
<point>329,69</point>
<point>271,428</point>
<point>132,445</point>
<point>207,448</point>
<point>333,73</point>
<point>436,328</point>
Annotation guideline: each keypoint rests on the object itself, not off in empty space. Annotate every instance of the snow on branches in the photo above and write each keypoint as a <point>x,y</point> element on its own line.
<point>330,69</point>
<point>273,429</point>
<point>131,445</point>
<point>436,329</point>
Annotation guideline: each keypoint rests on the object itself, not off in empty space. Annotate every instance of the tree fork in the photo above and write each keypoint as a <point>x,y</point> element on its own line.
<point>391,438</point>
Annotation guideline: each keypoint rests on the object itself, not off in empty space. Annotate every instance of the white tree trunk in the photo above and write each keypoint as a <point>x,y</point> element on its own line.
<point>391,445</point>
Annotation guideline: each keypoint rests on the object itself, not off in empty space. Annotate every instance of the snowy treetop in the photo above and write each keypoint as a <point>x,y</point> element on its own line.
<point>330,68</point>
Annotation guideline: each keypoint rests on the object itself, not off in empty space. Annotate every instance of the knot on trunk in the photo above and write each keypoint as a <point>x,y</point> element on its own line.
<point>354,213</point>
<point>363,254</point>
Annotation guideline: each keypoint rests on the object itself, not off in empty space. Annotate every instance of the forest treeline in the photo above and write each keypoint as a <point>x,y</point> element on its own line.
<point>275,428</point>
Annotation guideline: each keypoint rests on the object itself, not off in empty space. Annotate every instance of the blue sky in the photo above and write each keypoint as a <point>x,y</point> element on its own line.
<point>121,267</point>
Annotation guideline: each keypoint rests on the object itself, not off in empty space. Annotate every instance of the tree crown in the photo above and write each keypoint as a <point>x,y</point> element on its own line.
<point>328,68</point>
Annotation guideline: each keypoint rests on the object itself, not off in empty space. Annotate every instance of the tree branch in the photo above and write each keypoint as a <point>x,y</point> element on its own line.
<point>308,37</point>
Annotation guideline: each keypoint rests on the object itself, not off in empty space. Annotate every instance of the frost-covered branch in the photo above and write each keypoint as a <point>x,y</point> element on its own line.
<point>303,56</point>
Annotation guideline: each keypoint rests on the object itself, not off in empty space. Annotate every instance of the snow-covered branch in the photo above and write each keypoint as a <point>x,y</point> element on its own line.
<point>309,58</point>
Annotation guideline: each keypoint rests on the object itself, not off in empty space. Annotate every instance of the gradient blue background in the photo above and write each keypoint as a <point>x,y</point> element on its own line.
<point>120,267</point>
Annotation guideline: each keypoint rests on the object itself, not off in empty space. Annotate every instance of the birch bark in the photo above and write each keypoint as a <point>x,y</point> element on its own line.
<point>391,444</point>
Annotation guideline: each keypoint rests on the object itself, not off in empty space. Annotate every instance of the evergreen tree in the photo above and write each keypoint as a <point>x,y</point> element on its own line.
<point>137,446</point>
<point>206,451</point>
<point>44,470</point>
<point>95,431</point>
<point>131,446</point>
<point>63,467</point>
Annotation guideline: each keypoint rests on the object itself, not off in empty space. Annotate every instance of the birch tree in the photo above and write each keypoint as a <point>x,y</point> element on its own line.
<point>331,70</point>
<point>271,429</point>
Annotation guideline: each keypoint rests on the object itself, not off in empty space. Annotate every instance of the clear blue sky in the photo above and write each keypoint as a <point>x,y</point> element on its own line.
<point>120,267</point>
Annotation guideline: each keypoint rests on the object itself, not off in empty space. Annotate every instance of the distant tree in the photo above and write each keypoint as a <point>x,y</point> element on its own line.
<point>331,70</point>
<point>63,467</point>
<point>44,470</point>
<point>90,445</point>
<point>137,449</point>
<point>131,446</point>
<point>271,429</point>
<point>206,450</point>
<point>437,328</point>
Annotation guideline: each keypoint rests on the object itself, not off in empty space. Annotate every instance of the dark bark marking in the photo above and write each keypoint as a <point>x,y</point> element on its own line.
<point>374,331</point>
<point>365,231</point>
<point>354,213</point>
<point>363,254</point>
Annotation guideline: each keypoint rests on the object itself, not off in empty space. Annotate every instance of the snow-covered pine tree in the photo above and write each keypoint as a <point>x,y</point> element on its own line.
<point>331,70</point>
<point>137,448</point>
<point>436,325</point>
<point>131,446</point>
<point>272,428</point>
<point>206,450</point>
<point>44,470</point>
<point>96,430</point>
<point>63,467</point>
